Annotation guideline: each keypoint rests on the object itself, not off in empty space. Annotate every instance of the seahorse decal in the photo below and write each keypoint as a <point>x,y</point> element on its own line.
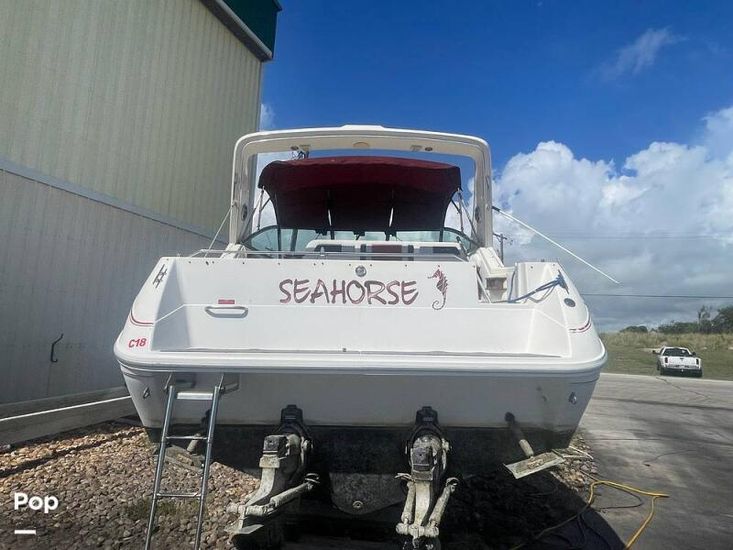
<point>442,286</point>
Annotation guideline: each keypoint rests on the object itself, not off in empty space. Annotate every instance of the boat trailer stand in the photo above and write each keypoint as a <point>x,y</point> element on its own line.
<point>426,502</point>
<point>283,480</point>
<point>262,518</point>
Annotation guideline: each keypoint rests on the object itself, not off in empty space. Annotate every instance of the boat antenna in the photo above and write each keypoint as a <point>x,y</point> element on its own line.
<point>561,247</point>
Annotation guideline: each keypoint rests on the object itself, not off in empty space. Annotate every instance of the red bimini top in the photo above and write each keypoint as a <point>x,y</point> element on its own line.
<point>360,193</point>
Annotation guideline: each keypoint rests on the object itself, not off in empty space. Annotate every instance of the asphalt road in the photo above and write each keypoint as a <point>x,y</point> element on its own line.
<point>670,435</point>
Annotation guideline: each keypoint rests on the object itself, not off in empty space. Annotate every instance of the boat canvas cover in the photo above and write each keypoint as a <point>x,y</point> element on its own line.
<point>360,193</point>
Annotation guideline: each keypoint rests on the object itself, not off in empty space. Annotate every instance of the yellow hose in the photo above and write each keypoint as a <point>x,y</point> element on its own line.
<point>591,498</point>
<point>630,489</point>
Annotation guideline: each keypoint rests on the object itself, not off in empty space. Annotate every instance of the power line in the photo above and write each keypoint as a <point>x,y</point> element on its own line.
<point>645,237</point>
<point>682,296</point>
<point>622,236</point>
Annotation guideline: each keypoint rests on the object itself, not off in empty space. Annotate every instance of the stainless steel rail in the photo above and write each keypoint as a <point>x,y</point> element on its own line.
<point>286,254</point>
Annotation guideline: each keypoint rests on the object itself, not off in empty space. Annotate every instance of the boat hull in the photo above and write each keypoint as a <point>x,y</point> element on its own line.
<point>350,365</point>
<point>360,423</point>
<point>553,403</point>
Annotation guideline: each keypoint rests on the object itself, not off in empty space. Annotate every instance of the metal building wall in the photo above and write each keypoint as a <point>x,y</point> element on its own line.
<point>138,99</point>
<point>134,107</point>
<point>69,265</point>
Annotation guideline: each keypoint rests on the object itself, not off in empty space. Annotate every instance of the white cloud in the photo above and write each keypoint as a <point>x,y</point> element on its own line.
<point>640,54</point>
<point>267,117</point>
<point>663,224</point>
<point>719,132</point>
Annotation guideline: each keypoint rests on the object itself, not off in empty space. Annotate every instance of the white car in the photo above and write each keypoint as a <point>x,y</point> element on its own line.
<point>672,359</point>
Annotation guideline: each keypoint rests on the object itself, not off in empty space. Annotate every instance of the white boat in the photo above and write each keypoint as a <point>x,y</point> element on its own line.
<point>362,309</point>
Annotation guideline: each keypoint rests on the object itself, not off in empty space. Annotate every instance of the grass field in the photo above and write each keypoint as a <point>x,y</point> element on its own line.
<point>630,353</point>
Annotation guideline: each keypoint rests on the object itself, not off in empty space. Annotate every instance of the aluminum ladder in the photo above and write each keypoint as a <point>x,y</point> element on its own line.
<point>174,394</point>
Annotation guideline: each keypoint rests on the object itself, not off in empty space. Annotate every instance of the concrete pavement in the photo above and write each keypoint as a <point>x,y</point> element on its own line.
<point>671,435</point>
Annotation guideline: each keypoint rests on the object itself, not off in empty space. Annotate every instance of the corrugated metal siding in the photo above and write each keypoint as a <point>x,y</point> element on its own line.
<point>69,265</point>
<point>138,99</point>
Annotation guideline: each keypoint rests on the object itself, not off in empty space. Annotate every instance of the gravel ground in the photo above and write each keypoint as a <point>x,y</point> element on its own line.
<point>103,475</point>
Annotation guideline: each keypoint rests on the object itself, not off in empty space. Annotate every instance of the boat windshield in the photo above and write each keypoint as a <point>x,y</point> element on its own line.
<point>360,198</point>
<point>274,239</point>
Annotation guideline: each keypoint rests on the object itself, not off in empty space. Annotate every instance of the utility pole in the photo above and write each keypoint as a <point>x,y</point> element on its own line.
<point>501,238</point>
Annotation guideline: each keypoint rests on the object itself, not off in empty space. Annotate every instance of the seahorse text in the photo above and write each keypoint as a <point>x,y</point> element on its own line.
<point>352,292</point>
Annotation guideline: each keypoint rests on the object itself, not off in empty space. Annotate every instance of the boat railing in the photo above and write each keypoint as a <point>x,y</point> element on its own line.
<point>300,254</point>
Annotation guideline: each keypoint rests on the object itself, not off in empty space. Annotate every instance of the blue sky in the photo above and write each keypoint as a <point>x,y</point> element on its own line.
<point>515,73</point>
<point>611,124</point>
